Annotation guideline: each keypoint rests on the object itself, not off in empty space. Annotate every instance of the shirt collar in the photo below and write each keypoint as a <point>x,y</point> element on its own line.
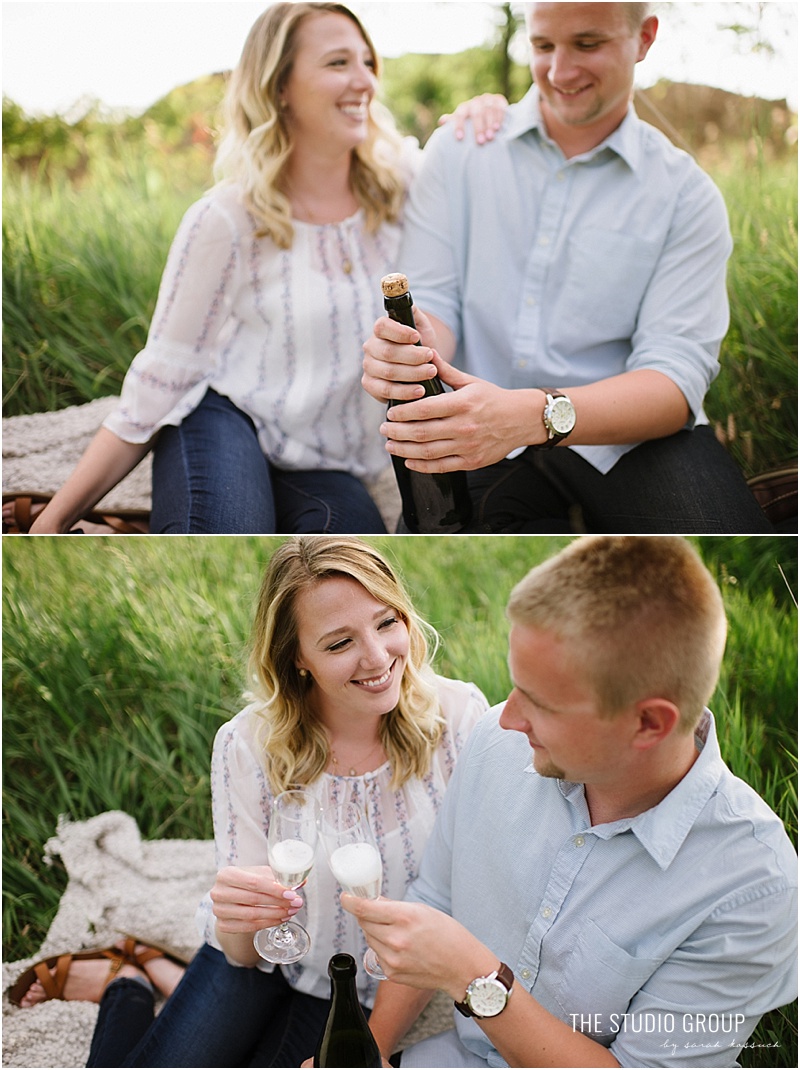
<point>662,829</point>
<point>625,141</point>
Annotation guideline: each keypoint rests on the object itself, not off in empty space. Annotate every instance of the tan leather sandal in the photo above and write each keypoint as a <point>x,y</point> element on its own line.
<point>18,516</point>
<point>53,985</point>
<point>152,951</point>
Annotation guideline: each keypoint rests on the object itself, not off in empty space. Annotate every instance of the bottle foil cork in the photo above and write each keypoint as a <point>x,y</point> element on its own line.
<point>394,285</point>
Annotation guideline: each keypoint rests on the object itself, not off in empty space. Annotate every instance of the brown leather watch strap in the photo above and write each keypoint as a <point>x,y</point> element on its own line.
<point>504,974</point>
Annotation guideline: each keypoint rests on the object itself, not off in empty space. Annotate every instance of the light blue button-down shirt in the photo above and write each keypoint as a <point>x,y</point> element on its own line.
<point>555,273</point>
<point>664,936</point>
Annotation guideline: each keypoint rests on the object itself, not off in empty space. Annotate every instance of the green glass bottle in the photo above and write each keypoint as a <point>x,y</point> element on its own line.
<point>346,1039</point>
<point>433,503</point>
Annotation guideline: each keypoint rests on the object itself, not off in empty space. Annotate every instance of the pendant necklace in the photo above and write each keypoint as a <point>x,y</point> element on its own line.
<point>352,770</point>
<point>347,264</point>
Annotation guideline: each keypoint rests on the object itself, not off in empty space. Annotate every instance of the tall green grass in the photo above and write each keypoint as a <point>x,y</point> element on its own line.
<point>81,268</point>
<point>754,399</point>
<point>121,657</point>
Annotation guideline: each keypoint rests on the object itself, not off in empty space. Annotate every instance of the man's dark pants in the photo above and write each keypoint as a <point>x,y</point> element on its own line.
<point>684,484</point>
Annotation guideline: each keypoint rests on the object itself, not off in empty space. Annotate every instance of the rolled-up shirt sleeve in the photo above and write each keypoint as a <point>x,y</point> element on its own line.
<point>684,313</point>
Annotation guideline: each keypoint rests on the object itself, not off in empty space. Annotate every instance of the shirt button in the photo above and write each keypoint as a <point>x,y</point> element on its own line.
<point>579,841</point>
<point>547,912</point>
<point>544,240</point>
<point>525,974</point>
<point>561,176</point>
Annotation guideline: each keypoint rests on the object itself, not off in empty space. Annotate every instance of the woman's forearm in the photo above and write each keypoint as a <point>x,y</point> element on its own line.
<point>238,948</point>
<point>107,460</point>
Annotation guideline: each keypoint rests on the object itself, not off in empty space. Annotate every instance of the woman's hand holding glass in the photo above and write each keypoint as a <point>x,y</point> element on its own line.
<point>246,898</point>
<point>291,843</point>
<point>354,859</point>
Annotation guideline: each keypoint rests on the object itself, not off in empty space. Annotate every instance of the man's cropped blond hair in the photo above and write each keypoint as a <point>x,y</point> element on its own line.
<point>643,614</point>
<point>635,14</point>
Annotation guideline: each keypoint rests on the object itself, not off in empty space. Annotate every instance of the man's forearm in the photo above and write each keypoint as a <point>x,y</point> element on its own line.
<point>526,1034</point>
<point>633,407</point>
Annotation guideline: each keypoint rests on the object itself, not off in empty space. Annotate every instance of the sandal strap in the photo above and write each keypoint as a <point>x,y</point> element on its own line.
<point>141,957</point>
<point>20,523</point>
<point>147,956</point>
<point>121,525</point>
<point>117,962</point>
<point>22,514</point>
<point>53,985</point>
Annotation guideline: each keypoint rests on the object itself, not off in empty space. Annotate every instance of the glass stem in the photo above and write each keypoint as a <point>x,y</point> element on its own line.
<point>284,935</point>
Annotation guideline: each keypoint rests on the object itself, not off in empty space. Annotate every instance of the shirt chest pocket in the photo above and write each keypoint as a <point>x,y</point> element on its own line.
<point>605,278</point>
<point>600,978</point>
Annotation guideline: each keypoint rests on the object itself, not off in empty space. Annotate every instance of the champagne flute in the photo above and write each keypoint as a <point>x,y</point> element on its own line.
<point>291,843</point>
<point>354,859</point>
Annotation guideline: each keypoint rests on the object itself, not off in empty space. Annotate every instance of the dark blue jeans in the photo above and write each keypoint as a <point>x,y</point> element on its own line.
<point>684,484</point>
<point>210,477</point>
<point>219,1015</point>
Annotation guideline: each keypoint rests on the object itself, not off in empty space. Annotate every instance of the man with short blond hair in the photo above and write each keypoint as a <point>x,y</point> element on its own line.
<point>599,889</point>
<point>644,617</point>
<point>570,284</point>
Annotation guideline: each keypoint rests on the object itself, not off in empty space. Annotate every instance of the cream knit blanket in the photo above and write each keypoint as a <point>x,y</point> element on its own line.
<point>41,450</point>
<point>119,883</point>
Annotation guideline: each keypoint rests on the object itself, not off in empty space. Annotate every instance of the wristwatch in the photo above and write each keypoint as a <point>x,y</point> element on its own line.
<point>558,417</point>
<point>487,996</point>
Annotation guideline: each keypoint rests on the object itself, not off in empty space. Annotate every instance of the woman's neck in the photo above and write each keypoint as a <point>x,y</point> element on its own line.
<point>354,744</point>
<point>319,187</point>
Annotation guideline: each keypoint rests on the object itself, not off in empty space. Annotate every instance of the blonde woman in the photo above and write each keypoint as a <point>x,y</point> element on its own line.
<point>347,706</point>
<point>249,387</point>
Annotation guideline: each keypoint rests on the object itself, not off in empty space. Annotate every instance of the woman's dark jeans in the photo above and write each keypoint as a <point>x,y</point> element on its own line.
<point>210,477</point>
<point>219,1015</point>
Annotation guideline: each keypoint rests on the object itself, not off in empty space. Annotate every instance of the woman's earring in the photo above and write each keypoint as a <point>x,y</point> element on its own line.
<point>303,672</point>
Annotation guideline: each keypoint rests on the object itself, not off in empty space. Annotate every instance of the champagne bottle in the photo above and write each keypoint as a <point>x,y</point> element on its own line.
<point>346,1039</point>
<point>433,503</point>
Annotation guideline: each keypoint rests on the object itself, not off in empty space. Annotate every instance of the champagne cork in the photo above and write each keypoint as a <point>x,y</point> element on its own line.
<point>394,285</point>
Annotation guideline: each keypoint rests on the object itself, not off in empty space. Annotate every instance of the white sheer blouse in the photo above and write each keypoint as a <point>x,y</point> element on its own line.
<point>401,820</point>
<point>277,331</point>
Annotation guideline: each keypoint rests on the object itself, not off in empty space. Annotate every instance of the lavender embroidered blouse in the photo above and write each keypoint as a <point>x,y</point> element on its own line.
<point>277,331</point>
<point>402,821</point>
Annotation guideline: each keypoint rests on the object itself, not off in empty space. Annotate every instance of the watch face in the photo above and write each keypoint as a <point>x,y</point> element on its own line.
<point>487,997</point>
<point>562,416</point>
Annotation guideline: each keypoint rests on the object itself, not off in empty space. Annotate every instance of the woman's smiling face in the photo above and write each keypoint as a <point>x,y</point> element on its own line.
<point>331,84</point>
<point>354,647</point>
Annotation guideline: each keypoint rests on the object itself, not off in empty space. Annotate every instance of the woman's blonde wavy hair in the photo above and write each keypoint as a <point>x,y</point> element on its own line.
<point>294,743</point>
<point>257,142</point>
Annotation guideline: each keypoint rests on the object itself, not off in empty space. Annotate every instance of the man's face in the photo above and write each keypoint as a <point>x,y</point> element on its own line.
<point>553,705</point>
<point>583,63</point>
